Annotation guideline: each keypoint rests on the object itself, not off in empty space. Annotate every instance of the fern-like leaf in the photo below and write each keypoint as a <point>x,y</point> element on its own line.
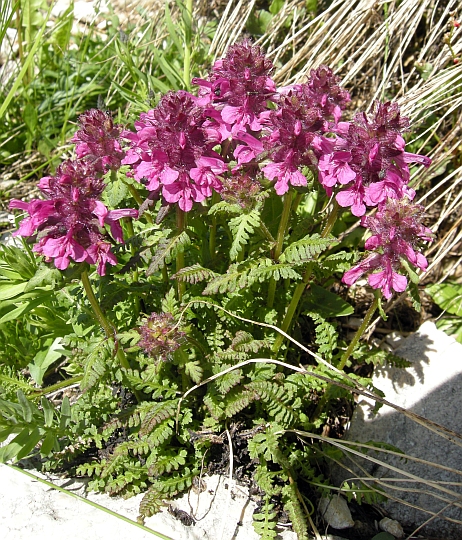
<point>167,249</point>
<point>242,227</point>
<point>235,278</point>
<point>157,413</point>
<point>326,335</point>
<point>306,249</point>
<point>195,273</point>
<point>170,460</point>
<point>264,522</point>
<point>151,504</point>
<point>278,401</point>
<point>96,363</point>
<point>295,511</point>
<point>237,400</point>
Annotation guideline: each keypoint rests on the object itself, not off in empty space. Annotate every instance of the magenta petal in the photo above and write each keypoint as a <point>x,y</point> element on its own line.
<point>399,282</point>
<point>168,176</point>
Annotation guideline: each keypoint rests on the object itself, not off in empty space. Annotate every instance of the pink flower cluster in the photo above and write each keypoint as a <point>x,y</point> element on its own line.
<point>259,129</point>
<point>172,151</point>
<point>396,231</point>
<point>70,223</point>
<point>367,160</point>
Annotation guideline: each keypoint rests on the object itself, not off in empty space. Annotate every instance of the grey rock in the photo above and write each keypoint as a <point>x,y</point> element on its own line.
<point>335,512</point>
<point>431,388</point>
<point>391,526</point>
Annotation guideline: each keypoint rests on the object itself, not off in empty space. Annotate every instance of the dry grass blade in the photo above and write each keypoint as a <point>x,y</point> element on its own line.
<point>231,26</point>
<point>437,490</point>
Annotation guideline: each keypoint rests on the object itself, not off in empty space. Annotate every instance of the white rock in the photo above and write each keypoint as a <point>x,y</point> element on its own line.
<point>335,512</point>
<point>30,509</point>
<point>391,526</point>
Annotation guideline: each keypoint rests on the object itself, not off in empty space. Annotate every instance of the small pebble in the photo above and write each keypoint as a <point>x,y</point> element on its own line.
<point>391,526</point>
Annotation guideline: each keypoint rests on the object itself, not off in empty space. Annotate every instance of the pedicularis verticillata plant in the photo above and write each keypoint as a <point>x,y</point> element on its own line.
<point>245,194</point>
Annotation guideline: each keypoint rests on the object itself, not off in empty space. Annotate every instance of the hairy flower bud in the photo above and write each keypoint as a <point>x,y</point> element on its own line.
<point>160,337</point>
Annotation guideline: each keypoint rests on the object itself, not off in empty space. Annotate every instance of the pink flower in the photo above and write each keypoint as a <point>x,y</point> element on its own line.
<point>371,147</point>
<point>396,231</point>
<point>172,151</point>
<point>71,223</point>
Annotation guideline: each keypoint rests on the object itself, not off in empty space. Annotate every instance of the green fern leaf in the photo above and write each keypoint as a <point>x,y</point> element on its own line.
<point>278,401</point>
<point>295,511</point>
<point>223,207</point>
<point>242,227</point>
<point>306,249</point>
<point>96,363</point>
<point>151,504</point>
<point>193,274</point>
<point>194,370</point>
<point>235,278</point>
<point>264,522</point>
<point>156,413</point>
<point>167,249</point>
<point>237,400</point>
<point>180,481</point>
<point>267,268</point>
<point>168,462</point>
<point>161,433</point>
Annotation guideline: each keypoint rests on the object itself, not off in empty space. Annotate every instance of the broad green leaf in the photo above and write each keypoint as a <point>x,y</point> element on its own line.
<point>10,451</point>
<point>65,413</point>
<point>32,441</point>
<point>48,444</point>
<point>22,308</point>
<point>43,360</point>
<point>27,407</point>
<point>326,303</point>
<point>30,117</point>
<point>10,291</point>
<point>448,296</point>
<point>48,411</point>
<point>452,327</point>
<point>116,192</point>
<point>276,6</point>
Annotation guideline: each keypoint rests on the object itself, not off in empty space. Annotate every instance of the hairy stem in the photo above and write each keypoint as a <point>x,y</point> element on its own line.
<point>300,289</point>
<point>359,333</point>
<point>213,228</point>
<point>180,225</point>
<point>279,243</point>
<point>109,330</point>
<point>58,386</point>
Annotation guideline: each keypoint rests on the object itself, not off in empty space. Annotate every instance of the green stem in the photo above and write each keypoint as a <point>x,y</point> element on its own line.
<point>367,318</point>
<point>91,503</point>
<point>213,228</point>
<point>109,330</point>
<point>136,275</point>
<point>58,386</point>
<point>359,333</point>
<point>299,290</point>
<point>187,45</point>
<point>165,275</point>
<point>180,225</point>
<point>279,243</point>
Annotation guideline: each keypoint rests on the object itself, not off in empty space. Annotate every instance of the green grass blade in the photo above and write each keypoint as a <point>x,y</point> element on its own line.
<point>25,67</point>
